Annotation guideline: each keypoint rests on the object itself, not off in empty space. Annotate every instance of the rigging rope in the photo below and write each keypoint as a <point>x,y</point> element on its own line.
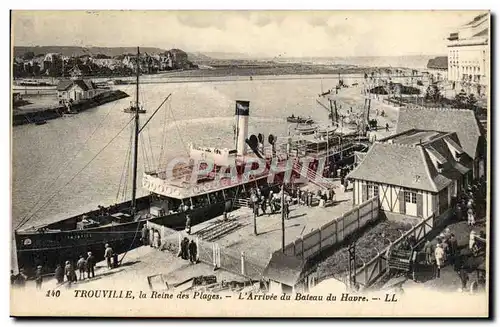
<point>178,131</point>
<point>126,164</point>
<point>151,148</point>
<point>163,140</point>
<point>74,176</point>
<point>145,161</point>
<point>70,161</point>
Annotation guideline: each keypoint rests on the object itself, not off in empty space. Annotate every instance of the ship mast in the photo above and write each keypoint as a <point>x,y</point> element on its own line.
<point>136,136</point>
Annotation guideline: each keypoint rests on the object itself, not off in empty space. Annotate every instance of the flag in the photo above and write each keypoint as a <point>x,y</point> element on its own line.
<point>242,108</point>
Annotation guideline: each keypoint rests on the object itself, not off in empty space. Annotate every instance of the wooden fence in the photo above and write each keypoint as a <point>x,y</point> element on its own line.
<point>376,267</point>
<point>335,231</point>
<point>211,253</point>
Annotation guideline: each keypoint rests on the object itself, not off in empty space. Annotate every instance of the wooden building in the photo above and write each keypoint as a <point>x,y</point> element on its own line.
<point>286,274</point>
<point>415,173</point>
<point>77,90</point>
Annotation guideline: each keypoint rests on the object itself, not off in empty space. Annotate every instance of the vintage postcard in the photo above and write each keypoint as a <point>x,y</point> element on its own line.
<point>250,163</point>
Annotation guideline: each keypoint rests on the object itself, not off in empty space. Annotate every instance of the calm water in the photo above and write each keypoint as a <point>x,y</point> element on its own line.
<point>46,157</point>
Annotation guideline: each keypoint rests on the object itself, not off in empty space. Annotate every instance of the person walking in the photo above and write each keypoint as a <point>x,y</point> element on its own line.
<point>188,224</point>
<point>255,204</point>
<point>13,278</point>
<point>464,278</point>
<point>38,277</point>
<point>263,204</point>
<point>21,278</point>
<point>108,254</point>
<point>472,240</point>
<point>90,265</point>
<point>145,235</point>
<point>193,252</point>
<point>428,252</point>
<point>69,272</point>
<point>387,127</point>
<point>286,209</point>
<point>458,212</point>
<point>471,220</point>
<point>453,247</point>
<point>59,274</point>
<point>80,265</point>
<point>439,254</point>
<point>185,249</point>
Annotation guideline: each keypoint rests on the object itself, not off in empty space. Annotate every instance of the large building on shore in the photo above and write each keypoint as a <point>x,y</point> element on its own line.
<point>433,156</point>
<point>469,54</point>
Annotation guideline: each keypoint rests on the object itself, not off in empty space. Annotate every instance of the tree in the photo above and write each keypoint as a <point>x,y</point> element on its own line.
<point>102,56</point>
<point>28,55</point>
<point>461,99</point>
<point>433,93</point>
<point>471,101</point>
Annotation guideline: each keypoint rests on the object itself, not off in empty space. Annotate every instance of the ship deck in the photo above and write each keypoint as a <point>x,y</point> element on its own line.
<point>302,219</point>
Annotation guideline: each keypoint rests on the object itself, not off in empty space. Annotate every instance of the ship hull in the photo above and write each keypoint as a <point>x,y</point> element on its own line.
<point>51,248</point>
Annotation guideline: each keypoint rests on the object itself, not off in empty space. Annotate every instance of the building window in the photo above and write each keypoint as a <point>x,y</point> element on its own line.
<point>372,189</point>
<point>410,197</point>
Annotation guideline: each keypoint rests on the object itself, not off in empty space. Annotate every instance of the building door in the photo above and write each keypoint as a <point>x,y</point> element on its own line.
<point>411,203</point>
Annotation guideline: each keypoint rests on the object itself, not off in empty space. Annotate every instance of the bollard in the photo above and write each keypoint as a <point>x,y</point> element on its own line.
<point>214,256</point>
<point>242,263</point>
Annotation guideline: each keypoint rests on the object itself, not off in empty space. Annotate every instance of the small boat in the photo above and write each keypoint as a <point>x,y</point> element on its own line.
<point>41,122</point>
<point>133,108</point>
<point>299,120</point>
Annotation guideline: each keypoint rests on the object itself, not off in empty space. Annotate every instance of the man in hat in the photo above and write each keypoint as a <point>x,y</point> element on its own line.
<point>108,254</point>
<point>193,251</point>
<point>428,252</point>
<point>439,255</point>
<point>38,277</point>
<point>59,274</point>
<point>13,278</point>
<point>145,235</point>
<point>286,209</point>
<point>80,265</point>
<point>188,224</point>
<point>453,246</point>
<point>21,278</point>
<point>90,265</point>
<point>471,220</point>
<point>184,248</point>
<point>69,272</point>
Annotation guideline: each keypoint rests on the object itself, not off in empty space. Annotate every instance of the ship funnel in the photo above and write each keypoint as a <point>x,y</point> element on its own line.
<point>242,113</point>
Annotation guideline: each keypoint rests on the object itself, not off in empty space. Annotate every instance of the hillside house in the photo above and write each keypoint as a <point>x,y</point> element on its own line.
<point>76,90</point>
<point>415,173</point>
<point>470,133</point>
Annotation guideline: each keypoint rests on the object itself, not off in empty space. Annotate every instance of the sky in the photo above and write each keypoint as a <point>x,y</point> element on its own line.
<point>255,33</point>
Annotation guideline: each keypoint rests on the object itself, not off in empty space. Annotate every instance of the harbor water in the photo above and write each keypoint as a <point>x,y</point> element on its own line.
<point>47,158</point>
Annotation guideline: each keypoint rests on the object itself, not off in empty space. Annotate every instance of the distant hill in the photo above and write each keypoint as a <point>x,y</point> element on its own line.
<point>108,51</point>
<point>199,57</point>
<point>78,51</point>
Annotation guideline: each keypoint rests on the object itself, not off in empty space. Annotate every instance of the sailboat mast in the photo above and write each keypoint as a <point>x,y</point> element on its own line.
<point>136,136</point>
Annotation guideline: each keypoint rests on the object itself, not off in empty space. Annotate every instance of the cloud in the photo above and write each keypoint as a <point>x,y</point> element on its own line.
<point>202,20</point>
<point>270,33</point>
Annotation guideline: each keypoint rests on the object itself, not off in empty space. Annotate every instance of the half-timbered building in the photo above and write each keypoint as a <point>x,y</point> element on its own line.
<point>415,173</point>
